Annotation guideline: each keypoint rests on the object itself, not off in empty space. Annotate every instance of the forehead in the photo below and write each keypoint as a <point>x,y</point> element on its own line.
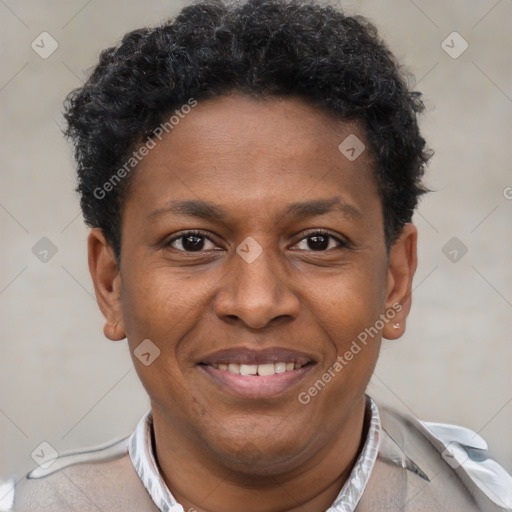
<point>247,152</point>
<point>289,127</point>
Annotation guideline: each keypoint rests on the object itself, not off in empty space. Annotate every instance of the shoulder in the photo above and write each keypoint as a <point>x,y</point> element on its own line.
<point>456,459</point>
<point>101,478</point>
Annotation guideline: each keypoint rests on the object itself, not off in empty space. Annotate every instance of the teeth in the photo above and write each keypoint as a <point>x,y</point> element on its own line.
<point>257,369</point>
<point>266,369</point>
<point>234,368</point>
<point>279,367</point>
<point>248,369</point>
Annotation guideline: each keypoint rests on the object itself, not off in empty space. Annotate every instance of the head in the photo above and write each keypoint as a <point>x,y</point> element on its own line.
<point>249,172</point>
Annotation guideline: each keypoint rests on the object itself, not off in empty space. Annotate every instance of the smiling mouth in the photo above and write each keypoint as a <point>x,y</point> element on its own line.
<point>262,370</point>
<point>257,381</point>
<point>256,374</point>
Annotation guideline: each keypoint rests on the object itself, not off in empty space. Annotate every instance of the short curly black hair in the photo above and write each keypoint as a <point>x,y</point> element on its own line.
<point>261,48</point>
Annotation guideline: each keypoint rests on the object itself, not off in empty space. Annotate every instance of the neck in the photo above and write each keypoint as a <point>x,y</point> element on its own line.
<point>201,482</point>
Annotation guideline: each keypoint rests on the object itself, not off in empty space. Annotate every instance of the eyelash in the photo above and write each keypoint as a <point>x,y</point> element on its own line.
<point>342,243</point>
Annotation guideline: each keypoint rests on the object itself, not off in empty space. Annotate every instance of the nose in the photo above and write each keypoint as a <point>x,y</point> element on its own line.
<point>255,293</point>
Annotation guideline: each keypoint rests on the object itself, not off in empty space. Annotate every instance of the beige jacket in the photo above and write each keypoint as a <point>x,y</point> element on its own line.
<point>421,467</point>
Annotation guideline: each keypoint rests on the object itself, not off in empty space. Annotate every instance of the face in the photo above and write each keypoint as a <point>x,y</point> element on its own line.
<point>252,244</point>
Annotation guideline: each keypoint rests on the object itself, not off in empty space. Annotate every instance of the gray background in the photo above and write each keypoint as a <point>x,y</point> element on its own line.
<point>63,383</point>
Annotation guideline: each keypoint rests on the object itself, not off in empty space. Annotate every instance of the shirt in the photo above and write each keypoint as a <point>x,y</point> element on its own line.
<point>142,455</point>
<point>420,465</point>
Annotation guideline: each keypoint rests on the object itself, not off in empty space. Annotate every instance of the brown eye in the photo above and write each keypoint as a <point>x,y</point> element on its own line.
<point>190,241</point>
<point>320,241</point>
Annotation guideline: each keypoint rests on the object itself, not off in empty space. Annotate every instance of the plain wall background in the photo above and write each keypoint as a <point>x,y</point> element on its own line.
<point>63,383</point>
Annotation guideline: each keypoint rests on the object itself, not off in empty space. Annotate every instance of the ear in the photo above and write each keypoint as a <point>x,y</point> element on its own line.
<point>107,283</point>
<point>403,261</point>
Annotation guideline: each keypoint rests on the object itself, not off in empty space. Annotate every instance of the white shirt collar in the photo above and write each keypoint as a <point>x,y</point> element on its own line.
<point>140,448</point>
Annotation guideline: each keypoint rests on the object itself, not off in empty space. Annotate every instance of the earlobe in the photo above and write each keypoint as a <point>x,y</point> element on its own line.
<point>114,332</point>
<point>402,266</point>
<point>106,278</point>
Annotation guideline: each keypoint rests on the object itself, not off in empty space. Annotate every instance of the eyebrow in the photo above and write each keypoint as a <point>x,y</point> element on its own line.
<point>209,211</point>
<point>322,207</point>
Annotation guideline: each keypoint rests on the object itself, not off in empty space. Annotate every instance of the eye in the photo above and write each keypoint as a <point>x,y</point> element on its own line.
<point>195,241</point>
<point>190,241</point>
<point>320,241</point>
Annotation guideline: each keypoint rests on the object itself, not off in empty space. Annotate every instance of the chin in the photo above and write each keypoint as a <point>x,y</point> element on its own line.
<point>260,455</point>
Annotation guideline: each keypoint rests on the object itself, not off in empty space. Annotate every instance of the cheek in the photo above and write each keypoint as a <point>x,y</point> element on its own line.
<point>159,309</point>
<point>157,315</point>
<point>346,310</point>
<point>347,305</point>
<point>346,315</point>
<point>158,303</point>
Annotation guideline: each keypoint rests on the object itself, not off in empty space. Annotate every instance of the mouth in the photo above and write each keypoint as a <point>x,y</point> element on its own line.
<point>263,370</point>
<point>256,374</point>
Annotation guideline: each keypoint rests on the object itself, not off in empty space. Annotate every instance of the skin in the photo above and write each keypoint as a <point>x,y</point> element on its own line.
<point>252,158</point>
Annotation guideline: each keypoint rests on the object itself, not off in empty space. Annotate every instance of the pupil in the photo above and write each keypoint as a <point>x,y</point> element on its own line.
<point>194,246</point>
<point>324,242</point>
<point>195,242</point>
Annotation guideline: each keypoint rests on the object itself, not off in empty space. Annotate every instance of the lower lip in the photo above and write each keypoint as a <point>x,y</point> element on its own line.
<point>255,386</point>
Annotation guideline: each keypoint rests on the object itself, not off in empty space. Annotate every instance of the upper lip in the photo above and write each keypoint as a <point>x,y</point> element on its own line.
<point>243,355</point>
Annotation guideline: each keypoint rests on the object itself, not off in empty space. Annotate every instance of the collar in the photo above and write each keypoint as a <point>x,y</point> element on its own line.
<point>140,447</point>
